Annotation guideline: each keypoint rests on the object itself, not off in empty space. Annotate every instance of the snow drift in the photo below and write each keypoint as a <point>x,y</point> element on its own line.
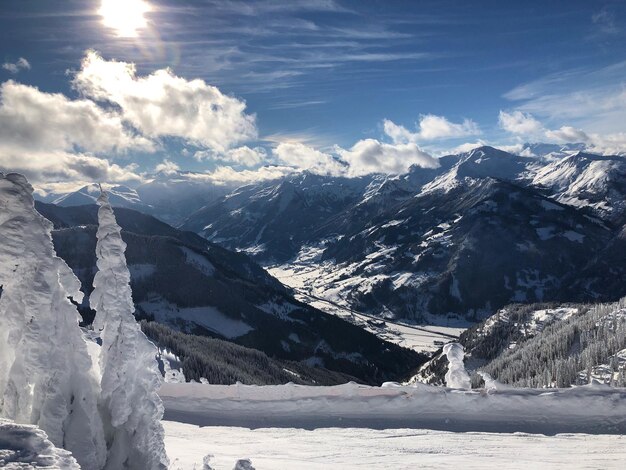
<point>589,409</point>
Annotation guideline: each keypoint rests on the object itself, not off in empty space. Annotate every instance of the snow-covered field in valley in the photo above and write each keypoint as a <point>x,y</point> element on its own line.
<point>397,449</point>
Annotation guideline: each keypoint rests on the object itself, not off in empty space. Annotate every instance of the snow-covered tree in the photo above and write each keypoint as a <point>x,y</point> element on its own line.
<point>45,370</point>
<point>457,376</point>
<point>131,408</point>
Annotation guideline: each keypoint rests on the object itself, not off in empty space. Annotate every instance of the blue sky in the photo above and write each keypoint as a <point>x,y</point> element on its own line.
<point>326,74</point>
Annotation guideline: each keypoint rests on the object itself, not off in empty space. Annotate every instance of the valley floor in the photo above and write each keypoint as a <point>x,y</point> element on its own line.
<point>360,448</point>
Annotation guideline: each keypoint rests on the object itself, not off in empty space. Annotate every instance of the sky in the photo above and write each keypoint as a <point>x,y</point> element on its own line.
<point>113,90</point>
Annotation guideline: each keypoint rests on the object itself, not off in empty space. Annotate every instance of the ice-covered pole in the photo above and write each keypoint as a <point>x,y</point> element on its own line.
<point>132,410</point>
<point>457,376</point>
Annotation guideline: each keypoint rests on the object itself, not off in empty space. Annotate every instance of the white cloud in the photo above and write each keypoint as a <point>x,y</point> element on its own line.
<point>21,64</point>
<point>525,125</point>
<point>467,147</point>
<point>167,167</point>
<point>50,137</point>
<point>243,156</point>
<point>431,127</point>
<point>247,156</point>
<point>604,20</point>
<point>41,166</point>
<point>567,134</point>
<point>163,104</point>
<point>371,156</point>
<point>228,175</point>
<point>591,99</point>
<point>302,156</point>
<point>32,120</point>
<point>519,123</point>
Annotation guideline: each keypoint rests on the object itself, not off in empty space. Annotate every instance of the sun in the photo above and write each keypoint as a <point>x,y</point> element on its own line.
<point>126,17</point>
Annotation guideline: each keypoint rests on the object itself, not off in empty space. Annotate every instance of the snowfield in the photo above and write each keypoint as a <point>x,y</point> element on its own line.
<point>595,409</point>
<point>397,427</point>
<point>393,449</point>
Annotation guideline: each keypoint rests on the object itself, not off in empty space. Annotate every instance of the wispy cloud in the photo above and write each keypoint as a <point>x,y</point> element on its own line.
<point>17,66</point>
<point>590,98</point>
<point>605,21</point>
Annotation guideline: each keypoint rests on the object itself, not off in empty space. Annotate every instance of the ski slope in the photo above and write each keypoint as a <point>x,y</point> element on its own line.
<point>596,409</point>
<point>393,449</point>
<point>396,427</point>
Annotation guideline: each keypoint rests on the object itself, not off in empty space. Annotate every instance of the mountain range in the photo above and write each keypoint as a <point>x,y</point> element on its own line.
<point>447,245</point>
<point>454,243</point>
<point>197,287</point>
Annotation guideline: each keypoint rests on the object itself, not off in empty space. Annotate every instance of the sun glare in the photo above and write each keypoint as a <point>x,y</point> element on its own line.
<point>126,17</point>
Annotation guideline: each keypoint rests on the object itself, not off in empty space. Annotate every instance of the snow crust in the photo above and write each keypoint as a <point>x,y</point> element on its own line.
<point>26,447</point>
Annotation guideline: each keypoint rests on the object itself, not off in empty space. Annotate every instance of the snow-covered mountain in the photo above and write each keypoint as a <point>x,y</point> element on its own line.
<point>120,196</point>
<point>186,282</point>
<point>484,229</point>
<point>544,345</point>
<point>169,196</point>
<point>272,220</point>
<point>585,180</point>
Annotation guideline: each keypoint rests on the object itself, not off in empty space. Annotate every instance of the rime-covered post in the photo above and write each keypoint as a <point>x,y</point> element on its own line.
<point>45,369</point>
<point>131,408</point>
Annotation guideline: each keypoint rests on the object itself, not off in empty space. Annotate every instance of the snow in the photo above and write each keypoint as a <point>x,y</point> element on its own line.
<point>457,376</point>
<point>26,447</point>
<point>172,367</point>
<point>198,261</point>
<point>141,271</point>
<point>395,448</point>
<point>589,409</point>
<point>207,317</point>
<point>542,318</point>
<point>545,233</point>
<point>573,236</point>
<point>550,206</point>
<point>45,367</point>
<point>327,286</point>
<point>129,405</point>
<point>401,427</point>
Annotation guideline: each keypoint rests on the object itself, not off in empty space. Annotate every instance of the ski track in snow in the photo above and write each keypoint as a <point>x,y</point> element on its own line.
<point>397,449</point>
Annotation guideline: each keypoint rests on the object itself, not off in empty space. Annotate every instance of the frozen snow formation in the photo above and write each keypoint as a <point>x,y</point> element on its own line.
<point>457,376</point>
<point>27,447</point>
<point>132,410</point>
<point>45,369</point>
<point>243,464</point>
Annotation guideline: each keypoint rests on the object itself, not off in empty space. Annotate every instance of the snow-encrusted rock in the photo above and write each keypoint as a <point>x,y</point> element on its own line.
<point>130,377</point>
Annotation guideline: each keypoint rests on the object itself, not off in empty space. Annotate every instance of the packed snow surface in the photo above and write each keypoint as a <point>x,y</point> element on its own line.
<point>589,409</point>
<point>397,449</point>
